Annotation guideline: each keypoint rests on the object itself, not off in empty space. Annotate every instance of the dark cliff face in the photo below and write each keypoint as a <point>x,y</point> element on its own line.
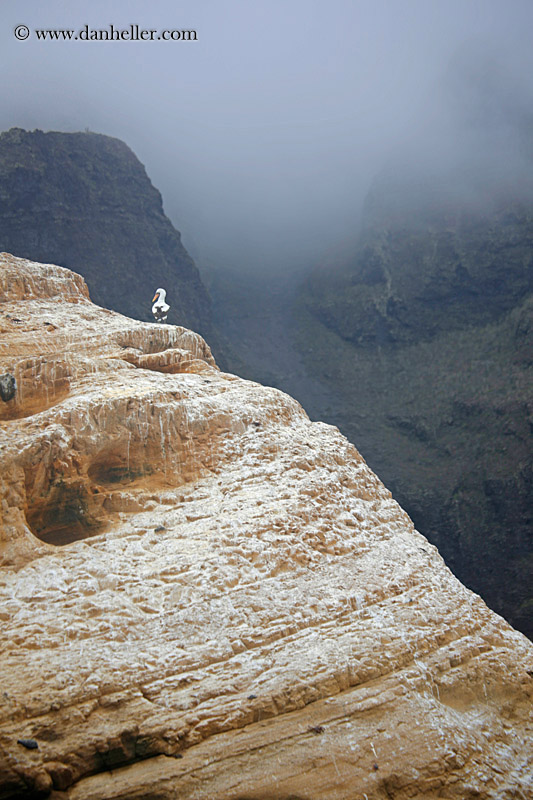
<point>427,337</point>
<point>410,285</point>
<point>422,271</point>
<point>84,201</point>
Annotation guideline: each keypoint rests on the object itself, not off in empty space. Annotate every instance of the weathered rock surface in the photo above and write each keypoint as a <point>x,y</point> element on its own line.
<point>205,595</point>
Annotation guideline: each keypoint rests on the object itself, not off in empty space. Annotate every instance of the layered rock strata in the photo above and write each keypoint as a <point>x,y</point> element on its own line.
<point>205,595</point>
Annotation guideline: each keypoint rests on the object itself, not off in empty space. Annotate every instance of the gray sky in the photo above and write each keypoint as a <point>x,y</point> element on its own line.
<point>264,135</point>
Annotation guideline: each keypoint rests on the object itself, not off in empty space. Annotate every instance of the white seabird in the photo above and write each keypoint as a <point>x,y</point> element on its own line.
<point>160,307</point>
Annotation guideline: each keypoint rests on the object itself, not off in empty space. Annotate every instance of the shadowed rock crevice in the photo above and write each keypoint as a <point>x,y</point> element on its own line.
<point>111,466</point>
<point>67,514</point>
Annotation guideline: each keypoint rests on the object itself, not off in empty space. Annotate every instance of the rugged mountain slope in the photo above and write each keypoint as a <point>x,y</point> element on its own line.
<point>442,410</point>
<point>84,201</point>
<point>418,341</point>
<point>427,335</point>
<point>204,594</point>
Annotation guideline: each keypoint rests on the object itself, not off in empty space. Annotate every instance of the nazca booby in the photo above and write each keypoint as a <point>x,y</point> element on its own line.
<point>160,307</point>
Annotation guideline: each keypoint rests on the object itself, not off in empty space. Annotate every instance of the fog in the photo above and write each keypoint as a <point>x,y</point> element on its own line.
<point>265,133</point>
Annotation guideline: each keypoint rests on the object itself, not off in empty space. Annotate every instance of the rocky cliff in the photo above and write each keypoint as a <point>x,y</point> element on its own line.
<point>84,201</point>
<point>427,336</point>
<point>203,594</point>
<point>416,339</point>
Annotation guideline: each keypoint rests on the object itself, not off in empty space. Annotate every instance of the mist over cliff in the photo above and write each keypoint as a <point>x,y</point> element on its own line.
<point>471,152</point>
<point>416,337</point>
<point>383,147</point>
<point>219,589</point>
<point>265,134</point>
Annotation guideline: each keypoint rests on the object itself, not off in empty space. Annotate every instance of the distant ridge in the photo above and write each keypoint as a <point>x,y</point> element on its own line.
<point>84,201</point>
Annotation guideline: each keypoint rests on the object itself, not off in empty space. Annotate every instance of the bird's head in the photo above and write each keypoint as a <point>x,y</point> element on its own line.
<point>159,293</point>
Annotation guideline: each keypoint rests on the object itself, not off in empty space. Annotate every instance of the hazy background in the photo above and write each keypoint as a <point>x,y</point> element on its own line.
<point>264,135</point>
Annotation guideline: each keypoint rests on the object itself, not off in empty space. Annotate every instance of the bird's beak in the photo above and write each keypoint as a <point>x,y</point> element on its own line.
<point>154,298</point>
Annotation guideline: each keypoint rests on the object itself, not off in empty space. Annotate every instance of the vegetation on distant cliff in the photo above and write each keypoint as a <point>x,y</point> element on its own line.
<point>427,336</point>
<point>84,201</point>
<point>407,285</point>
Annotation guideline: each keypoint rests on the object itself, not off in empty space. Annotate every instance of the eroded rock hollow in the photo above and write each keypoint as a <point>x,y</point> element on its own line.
<point>205,595</point>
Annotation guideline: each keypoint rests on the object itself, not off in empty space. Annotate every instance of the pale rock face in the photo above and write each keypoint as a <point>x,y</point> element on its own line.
<point>205,595</point>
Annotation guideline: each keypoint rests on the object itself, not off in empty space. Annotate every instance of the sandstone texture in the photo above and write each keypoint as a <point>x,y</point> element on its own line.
<point>205,595</point>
